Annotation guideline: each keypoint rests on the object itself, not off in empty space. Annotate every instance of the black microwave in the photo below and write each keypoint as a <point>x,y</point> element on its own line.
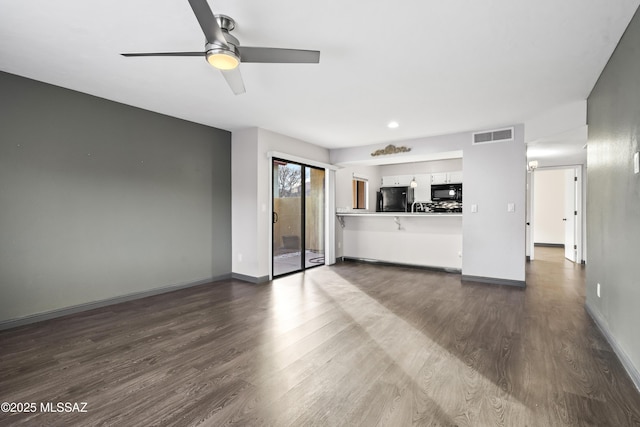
<point>446,192</point>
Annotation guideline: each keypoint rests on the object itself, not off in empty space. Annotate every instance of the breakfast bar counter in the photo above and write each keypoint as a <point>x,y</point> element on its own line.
<point>419,239</point>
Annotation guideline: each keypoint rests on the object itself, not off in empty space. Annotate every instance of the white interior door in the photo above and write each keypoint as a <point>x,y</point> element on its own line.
<point>530,252</point>
<point>570,210</point>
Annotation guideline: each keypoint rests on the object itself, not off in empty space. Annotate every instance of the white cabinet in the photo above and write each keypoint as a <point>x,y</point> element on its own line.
<point>455,177</point>
<point>422,193</point>
<point>439,178</point>
<point>388,181</point>
<point>447,178</point>
<point>404,180</point>
<point>397,180</point>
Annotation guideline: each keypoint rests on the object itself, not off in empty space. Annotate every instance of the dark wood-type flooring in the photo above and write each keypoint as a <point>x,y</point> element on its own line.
<point>351,344</point>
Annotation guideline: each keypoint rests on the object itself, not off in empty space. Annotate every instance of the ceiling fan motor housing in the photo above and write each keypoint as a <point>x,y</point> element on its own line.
<point>226,23</point>
<point>229,46</point>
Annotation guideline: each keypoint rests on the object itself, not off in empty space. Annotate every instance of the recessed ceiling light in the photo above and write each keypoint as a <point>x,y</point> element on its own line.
<point>393,125</point>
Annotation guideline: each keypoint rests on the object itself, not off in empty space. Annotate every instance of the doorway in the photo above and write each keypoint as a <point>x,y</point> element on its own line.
<point>298,217</point>
<point>556,214</point>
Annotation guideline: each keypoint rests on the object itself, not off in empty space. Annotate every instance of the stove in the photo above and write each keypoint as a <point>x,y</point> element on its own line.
<point>437,207</point>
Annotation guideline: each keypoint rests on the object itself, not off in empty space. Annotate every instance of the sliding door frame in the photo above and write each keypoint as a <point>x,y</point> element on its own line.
<point>303,214</point>
<point>329,205</point>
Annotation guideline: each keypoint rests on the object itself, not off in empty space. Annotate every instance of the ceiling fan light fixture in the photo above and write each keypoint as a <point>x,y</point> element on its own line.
<point>223,59</point>
<point>222,50</point>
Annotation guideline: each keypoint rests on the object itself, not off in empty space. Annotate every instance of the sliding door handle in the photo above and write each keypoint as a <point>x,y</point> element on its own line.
<point>275,217</point>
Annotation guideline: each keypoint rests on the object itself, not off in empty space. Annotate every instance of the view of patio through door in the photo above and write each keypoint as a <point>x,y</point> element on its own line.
<point>298,217</point>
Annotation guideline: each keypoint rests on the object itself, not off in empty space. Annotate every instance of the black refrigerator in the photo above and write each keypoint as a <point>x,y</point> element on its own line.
<point>395,199</point>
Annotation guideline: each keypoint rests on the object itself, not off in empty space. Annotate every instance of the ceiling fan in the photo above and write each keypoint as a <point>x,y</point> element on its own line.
<point>223,51</point>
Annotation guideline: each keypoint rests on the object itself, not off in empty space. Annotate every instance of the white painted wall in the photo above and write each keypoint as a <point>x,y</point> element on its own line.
<point>251,181</point>
<point>494,239</point>
<point>344,192</point>
<point>494,175</point>
<point>244,207</point>
<point>431,241</point>
<point>415,168</point>
<point>344,195</point>
<point>422,149</point>
<point>556,121</point>
<point>548,206</point>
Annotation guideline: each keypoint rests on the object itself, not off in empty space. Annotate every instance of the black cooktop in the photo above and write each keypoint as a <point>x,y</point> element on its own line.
<point>447,210</point>
<point>438,207</point>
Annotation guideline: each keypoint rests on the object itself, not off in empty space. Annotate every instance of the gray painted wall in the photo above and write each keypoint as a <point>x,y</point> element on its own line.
<point>613,197</point>
<point>100,200</point>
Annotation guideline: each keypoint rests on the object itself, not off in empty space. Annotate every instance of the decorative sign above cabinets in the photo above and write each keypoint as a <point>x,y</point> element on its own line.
<point>390,149</point>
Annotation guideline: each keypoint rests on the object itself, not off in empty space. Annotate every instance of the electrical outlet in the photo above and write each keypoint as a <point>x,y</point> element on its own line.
<point>598,290</point>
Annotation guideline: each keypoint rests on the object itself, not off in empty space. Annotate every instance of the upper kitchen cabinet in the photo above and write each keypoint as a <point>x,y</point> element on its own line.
<point>397,180</point>
<point>447,178</point>
<point>422,193</point>
<point>455,177</point>
<point>439,178</point>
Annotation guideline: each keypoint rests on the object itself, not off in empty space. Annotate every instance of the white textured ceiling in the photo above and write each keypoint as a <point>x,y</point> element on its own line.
<point>436,67</point>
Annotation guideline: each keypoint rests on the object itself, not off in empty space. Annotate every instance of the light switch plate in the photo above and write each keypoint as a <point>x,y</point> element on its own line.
<point>511,207</point>
<point>636,162</point>
<point>474,208</point>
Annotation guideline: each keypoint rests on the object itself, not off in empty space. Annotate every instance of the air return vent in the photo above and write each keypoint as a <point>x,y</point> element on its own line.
<point>499,135</point>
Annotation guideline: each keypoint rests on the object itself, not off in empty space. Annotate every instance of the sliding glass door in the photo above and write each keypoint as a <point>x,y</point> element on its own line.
<point>298,217</point>
<point>314,217</point>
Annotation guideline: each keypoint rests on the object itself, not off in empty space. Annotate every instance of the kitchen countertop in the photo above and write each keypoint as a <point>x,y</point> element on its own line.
<point>398,214</point>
